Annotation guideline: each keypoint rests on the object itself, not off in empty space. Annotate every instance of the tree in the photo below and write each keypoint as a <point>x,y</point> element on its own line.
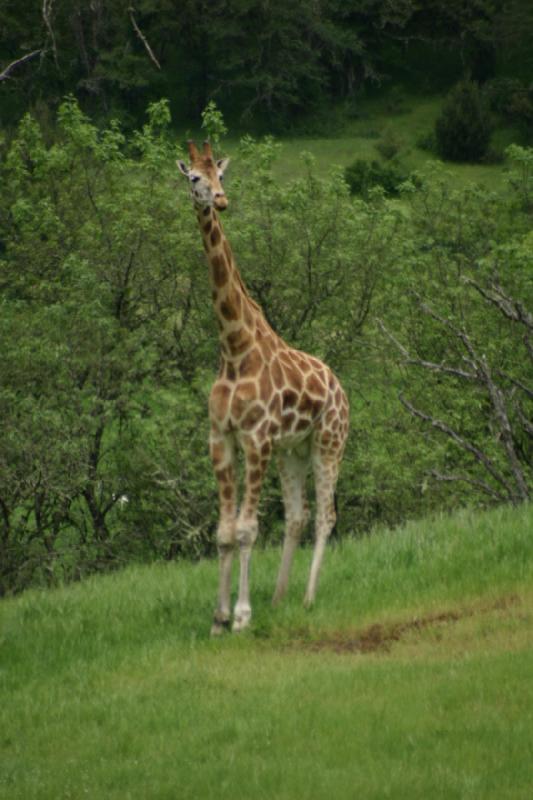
<point>463,126</point>
<point>96,305</point>
<point>466,344</point>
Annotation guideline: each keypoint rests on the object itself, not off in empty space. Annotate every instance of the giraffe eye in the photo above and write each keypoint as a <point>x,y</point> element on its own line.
<point>195,178</point>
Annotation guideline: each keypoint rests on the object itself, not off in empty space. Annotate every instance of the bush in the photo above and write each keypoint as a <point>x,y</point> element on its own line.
<point>521,177</point>
<point>500,91</point>
<point>463,128</point>
<point>389,144</point>
<point>513,102</point>
<point>427,141</point>
<point>361,176</point>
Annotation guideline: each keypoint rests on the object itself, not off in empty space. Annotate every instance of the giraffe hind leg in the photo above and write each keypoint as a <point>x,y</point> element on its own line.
<point>293,469</point>
<point>326,470</point>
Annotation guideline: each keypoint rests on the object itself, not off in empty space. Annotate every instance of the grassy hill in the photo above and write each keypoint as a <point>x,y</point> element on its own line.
<point>410,678</point>
<point>404,120</point>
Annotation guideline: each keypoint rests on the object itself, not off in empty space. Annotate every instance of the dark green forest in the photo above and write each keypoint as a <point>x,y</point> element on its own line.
<point>416,288</point>
<point>265,62</point>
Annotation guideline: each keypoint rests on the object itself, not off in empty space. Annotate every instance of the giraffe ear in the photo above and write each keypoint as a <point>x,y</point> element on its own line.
<point>222,164</point>
<point>183,168</point>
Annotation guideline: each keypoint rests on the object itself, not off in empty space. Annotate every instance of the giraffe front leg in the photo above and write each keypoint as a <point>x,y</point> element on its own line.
<point>257,457</point>
<point>222,450</point>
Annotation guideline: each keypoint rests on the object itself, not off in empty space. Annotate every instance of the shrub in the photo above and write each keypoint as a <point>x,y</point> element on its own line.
<point>463,128</point>
<point>361,176</point>
<point>513,101</point>
<point>521,177</point>
<point>499,93</point>
<point>427,141</point>
<point>389,144</point>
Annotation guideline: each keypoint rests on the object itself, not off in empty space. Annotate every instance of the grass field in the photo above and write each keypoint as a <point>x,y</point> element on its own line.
<point>410,678</point>
<point>406,121</point>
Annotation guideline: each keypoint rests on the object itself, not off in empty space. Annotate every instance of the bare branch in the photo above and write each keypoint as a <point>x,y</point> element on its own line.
<point>430,365</point>
<point>143,38</point>
<point>497,398</point>
<point>478,454</point>
<point>471,481</point>
<point>526,424</point>
<point>47,19</point>
<point>517,383</point>
<point>7,71</point>
<point>529,346</point>
<point>457,332</point>
<point>511,308</point>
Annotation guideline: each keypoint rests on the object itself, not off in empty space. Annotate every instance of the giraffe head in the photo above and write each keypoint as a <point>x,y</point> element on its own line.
<point>205,177</point>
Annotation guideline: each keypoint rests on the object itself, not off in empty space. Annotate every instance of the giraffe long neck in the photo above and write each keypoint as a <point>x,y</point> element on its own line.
<point>237,314</point>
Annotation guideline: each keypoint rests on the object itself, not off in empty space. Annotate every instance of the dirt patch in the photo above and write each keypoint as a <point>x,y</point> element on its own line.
<point>380,637</point>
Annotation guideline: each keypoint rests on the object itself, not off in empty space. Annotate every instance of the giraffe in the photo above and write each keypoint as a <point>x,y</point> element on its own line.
<point>268,399</point>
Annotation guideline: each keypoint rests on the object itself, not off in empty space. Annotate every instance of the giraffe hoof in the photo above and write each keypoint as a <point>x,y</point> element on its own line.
<point>308,602</point>
<point>240,623</point>
<point>219,627</point>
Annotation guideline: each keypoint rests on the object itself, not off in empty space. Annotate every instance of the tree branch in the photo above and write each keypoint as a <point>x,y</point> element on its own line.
<point>511,308</point>
<point>7,71</point>
<point>526,424</point>
<point>471,481</point>
<point>430,365</point>
<point>478,454</point>
<point>47,19</point>
<point>506,434</point>
<point>143,38</point>
<point>496,396</point>
<point>519,384</point>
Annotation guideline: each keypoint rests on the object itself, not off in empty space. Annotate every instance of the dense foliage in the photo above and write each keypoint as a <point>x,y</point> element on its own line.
<point>362,176</point>
<point>271,58</point>
<point>463,128</point>
<point>109,344</point>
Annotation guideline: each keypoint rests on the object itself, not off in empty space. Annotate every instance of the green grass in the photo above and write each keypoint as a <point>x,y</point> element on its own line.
<point>357,138</point>
<point>112,688</point>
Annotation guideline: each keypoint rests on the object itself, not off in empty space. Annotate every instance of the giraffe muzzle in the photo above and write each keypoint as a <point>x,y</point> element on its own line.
<point>221,202</point>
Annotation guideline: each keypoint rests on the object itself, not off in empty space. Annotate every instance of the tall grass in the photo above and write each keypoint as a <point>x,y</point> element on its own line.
<point>112,688</point>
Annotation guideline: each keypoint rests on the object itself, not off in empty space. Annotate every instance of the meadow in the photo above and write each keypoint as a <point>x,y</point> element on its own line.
<point>403,119</point>
<point>411,677</point>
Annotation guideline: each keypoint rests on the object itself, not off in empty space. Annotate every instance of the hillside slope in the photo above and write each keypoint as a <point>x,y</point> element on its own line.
<point>410,678</point>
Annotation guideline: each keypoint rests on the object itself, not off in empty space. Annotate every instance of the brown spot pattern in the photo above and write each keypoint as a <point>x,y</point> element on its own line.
<point>244,394</point>
<point>219,400</point>
<point>277,375</point>
<point>252,417</point>
<point>238,341</point>
<point>220,270</point>
<point>314,385</point>
<point>250,364</point>
<point>228,310</point>
<point>265,384</point>
<point>289,398</point>
<point>230,371</point>
<point>287,420</point>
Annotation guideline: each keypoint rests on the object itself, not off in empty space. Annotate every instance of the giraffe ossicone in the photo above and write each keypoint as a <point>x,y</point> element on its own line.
<point>268,399</point>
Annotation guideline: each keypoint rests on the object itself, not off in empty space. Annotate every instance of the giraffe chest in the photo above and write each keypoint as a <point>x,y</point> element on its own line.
<point>273,400</point>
